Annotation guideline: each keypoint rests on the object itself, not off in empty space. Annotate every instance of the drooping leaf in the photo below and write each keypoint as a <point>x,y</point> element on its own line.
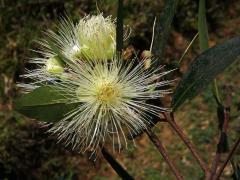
<point>204,69</point>
<point>162,29</point>
<point>44,103</point>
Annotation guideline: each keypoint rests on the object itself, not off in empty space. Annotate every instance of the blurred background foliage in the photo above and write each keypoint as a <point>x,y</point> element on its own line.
<point>27,152</point>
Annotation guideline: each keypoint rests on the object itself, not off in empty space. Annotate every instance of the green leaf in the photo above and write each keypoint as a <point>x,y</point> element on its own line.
<point>119,30</point>
<point>202,26</point>
<point>203,39</point>
<point>204,69</point>
<point>162,29</point>
<point>44,103</point>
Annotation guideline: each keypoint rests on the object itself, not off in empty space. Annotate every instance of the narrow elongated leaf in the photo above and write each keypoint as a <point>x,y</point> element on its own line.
<point>204,69</point>
<point>43,104</point>
<point>119,30</point>
<point>162,29</point>
<point>203,38</point>
<point>202,26</point>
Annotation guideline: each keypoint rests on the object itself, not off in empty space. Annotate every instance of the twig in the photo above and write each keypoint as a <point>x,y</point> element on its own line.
<point>188,47</point>
<point>214,166</point>
<point>115,165</point>
<point>188,143</point>
<point>164,153</point>
<point>227,159</point>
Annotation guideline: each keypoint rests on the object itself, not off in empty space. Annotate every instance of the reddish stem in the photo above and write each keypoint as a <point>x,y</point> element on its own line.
<point>214,166</point>
<point>164,153</point>
<point>188,143</point>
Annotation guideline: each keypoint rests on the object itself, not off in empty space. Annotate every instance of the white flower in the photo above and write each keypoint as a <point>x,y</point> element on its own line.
<point>112,96</point>
<point>112,101</point>
<point>93,38</point>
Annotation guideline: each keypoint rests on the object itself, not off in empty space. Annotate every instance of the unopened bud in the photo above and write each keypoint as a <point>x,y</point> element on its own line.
<point>97,37</point>
<point>146,55</point>
<point>54,65</point>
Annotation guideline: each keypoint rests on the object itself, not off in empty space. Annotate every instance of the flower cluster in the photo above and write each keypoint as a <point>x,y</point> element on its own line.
<point>80,61</point>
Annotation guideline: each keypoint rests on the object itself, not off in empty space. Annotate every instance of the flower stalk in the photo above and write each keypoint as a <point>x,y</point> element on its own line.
<point>157,143</point>
<point>115,165</point>
<point>170,119</point>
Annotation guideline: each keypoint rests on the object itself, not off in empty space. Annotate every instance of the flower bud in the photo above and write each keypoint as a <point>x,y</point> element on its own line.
<point>97,38</point>
<point>147,56</point>
<point>54,65</point>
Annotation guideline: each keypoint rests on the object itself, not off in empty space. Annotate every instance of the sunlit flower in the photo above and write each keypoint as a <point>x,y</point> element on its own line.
<point>54,65</point>
<point>97,35</point>
<point>92,38</point>
<point>112,101</point>
<point>112,96</point>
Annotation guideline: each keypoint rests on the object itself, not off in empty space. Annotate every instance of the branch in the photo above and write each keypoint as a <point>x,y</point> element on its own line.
<point>164,153</point>
<point>214,166</point>
<point>188,143</point>
<point>227,159</point>
<point>115,165</point>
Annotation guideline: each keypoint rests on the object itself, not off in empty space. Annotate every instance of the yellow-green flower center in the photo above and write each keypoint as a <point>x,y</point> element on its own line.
<point>107,94</point>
